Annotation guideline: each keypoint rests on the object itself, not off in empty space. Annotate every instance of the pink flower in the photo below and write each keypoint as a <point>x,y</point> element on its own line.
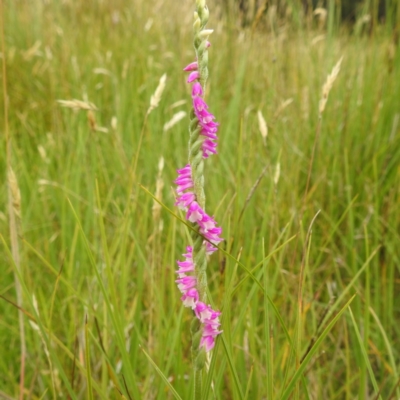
<point>185,184</point>
<point>189,253</point>
<point>191,67</point>
<point>184,267</point>
<point>210,248</point>
<point>213,235</point>
<point>190,298</point>
<point>210,332</point>
<point>197,90</point>
<point>203,311</point>
<point>193,76</point>
<point>202,115</point>
<point>206,119</point>
<point>184,180</point>
<point>211,329</point>
<point>185,171</point>
<point>208,147</point>
<point>195,212</point>
<point>206,222</point>
<point>184,201</point>
<point>199,105</point>
<point>209,127</point>
<point>186,282</point>
<point>187,265</point>
<point>209,133</point>
<point>207,342</point>
<point>210,319</point>
<point>208,228</point>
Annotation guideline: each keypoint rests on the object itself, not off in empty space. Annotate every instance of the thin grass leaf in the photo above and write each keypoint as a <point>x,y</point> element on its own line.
<point>267,332</point>
<point>38,321</point>
<point>112,309</point>
<point>387,344</point>
<point>334,229</point>
<point>246,395</point>
<point>225,306</point>
<point>365,355</point>
<point>51,268</point>
<point>235,376</point>
<point>87,359</point>
<point>42,397</point>
<point>259,264</point>
<point>299,372</point>
<point>350,285</point>
<point>160,373</point>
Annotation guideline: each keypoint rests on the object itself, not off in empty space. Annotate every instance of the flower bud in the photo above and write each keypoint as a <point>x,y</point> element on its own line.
<point>205,33</point>
<point>195,326</point>
<point>197,22</point>
<point>200,361</point>
<point>196,338</point>
<point>200,4</point>
<point>205,15</point>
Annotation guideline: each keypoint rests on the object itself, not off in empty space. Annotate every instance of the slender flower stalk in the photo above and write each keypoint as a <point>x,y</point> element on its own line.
<point>206,235</point>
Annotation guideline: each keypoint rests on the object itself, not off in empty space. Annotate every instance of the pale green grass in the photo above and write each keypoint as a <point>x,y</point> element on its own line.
<point>101,268</point>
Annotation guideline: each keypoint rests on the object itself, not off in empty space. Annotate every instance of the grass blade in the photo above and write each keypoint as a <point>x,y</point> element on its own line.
<point>290,387</point>
<point>87,358</point>
<point>162,376</point>
<point>365,355</point>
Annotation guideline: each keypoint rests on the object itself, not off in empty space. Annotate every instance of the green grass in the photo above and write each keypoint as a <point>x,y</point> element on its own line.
<point>308,312</point>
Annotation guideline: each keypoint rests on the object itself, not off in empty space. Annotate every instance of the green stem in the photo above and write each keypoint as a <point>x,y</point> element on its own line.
<point>197,384</point>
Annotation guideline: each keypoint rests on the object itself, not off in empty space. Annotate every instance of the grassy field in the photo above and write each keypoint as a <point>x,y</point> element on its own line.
<point>312,210</point>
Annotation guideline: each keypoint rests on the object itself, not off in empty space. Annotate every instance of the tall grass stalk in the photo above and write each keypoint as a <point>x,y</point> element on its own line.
<point>14,210</point>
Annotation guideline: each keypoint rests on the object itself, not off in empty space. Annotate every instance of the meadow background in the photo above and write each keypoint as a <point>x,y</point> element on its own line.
<point>312,209</point>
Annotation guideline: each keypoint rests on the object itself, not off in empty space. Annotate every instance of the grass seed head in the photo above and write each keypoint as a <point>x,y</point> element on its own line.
<point>174,120</point>
<point>78,105</point>
<point>277,173</point>
<point>156,97</point>
<point>156,209</point>
<point>328,85</point>
<point>262,125</point>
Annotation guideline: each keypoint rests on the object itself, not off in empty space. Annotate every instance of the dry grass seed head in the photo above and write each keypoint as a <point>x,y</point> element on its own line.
<point>262,125</point>
<point>328,85</point>
<point>156,97</point>
<point>174,120</point>
<point>77,105</point>
<point>156,209</point>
